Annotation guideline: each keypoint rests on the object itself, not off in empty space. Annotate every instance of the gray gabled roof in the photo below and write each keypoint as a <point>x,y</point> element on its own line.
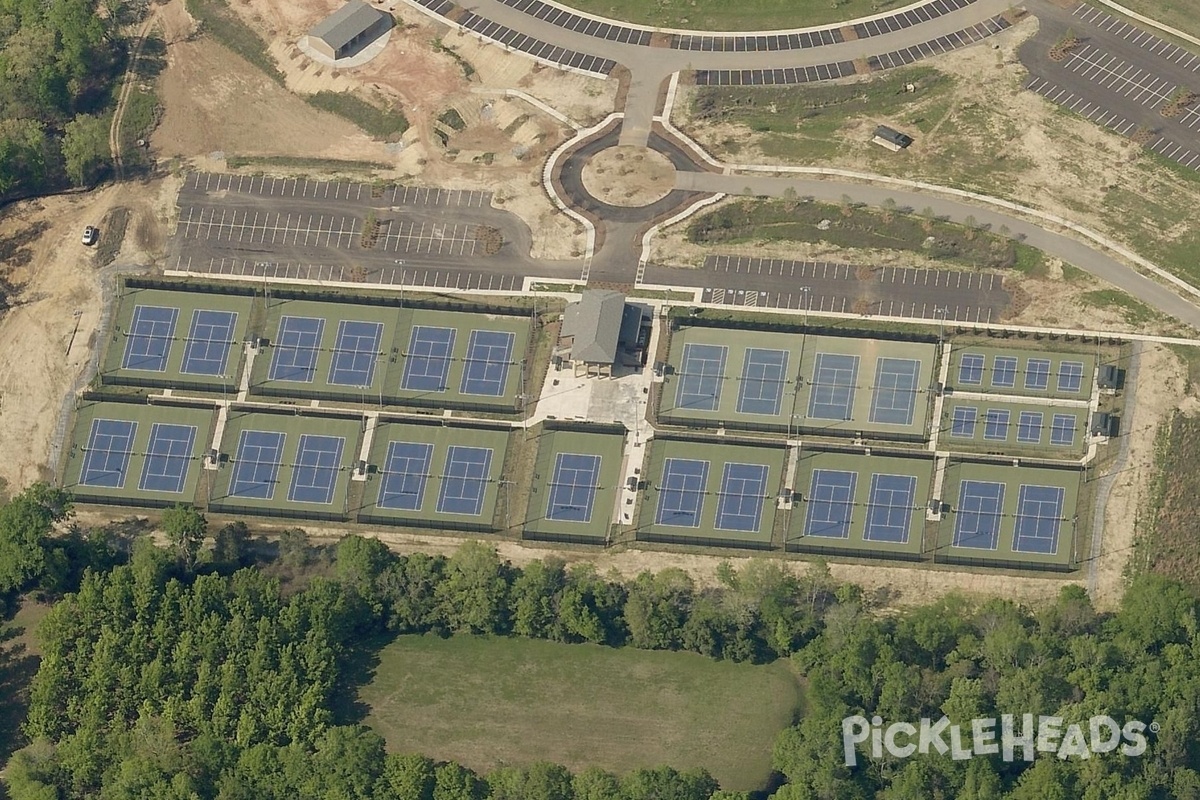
<point>343,25</point>
<point>595,324</point>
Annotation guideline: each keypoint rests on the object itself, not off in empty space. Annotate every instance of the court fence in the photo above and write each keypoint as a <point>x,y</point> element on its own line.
<point>700,541</point>
<point>803,544</point>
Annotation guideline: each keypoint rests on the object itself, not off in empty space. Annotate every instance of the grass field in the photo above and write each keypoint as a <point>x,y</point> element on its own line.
<point>1178,14</point>
<point>721,15</point>
<point>1167,540</point>
<point>486,702</point>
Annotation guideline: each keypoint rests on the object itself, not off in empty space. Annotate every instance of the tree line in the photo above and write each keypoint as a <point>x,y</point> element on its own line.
<point>193,669</point>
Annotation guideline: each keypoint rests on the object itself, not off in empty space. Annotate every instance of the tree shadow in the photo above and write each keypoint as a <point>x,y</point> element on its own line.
<point>359,667</point>
<point>17,668</point>
<point>153,58</point>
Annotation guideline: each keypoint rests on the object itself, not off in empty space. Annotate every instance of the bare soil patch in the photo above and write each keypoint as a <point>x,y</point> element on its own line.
<point>629,176</point>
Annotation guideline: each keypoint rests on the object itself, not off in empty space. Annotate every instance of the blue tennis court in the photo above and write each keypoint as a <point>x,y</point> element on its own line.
<point>890,508</point>
<point>1039,516</point>
<point>148,340</point>
<point>256,465</point>
<point>296,349</point>
<point>168,456</point>
<point>315,473</point>
<point>427,361</point>
<point>109,448</point>
<point>1029,427</point>
<point>970,369</point>
<point>355,353</point>
<point>962,423</point>
<point>763,379</point>
<point>979,512</point>
<point>489,355</point>
<point>405,473</point>
<point>833,386</point>
<point>681,493</point>
<point>995,424</point>
<point>209,339</point>
<point>1037,374</point>
<point>1004,371</point>
<point>830,503</point>
<point>1062,430</point>
<point>465,480</point>
<point>743,492</point>
<point>573,489</point>
<point>700,377</point>
<point>894,400</point>
<point>1070,376</point>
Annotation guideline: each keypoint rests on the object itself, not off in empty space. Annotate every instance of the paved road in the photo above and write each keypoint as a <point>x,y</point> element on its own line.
<point>1119,76</point>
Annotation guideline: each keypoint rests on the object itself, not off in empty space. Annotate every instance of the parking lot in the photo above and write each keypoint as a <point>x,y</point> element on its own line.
<point>822,286</point>
<point>276,228</point>
<point>1119,76</point>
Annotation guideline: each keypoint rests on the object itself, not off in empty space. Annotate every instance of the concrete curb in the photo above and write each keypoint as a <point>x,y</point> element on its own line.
<point>531,100</point>
<point>694,208</point>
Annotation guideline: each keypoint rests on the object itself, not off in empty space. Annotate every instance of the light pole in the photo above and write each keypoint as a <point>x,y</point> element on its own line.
<point>940,312</point>
<point>400,263</point>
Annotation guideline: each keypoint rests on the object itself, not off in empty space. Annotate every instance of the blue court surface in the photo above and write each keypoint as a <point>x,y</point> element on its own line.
<point>833,385</point>
<point>970,369</point>
<point>296,349</point>
<point>1029,427</point>
<point>489,355</point>
<point>256,465</point>
<point>1037,374</point>
<point>743,492</point>
<point>109,448</point>
<point>1062,430</point>
<point>894,400</point>
<point>465,480</point>
<point>148,340</point>
<point>962,424</point>
<point>890,508</point>
<point>573,490</point>
<point>700,376</point>
<point>405,473</point>
<point>1070,376</point>
<point>1004,371</point>
<point>681,492</point>
<point>355,353</point>
<point>763,377</point>
<point>830,503</point>
<point>995,424</point>
<point>168,456</point>
<point>315,473</point>
<point>427,361</point>
<point>1039,515</point>
<point>209,340</point>
<point>980,505</point>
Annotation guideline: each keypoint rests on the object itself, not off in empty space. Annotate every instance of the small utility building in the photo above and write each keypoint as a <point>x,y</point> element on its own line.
<point>349,29</point>
<point>891,138</point>
<point>596,329</point>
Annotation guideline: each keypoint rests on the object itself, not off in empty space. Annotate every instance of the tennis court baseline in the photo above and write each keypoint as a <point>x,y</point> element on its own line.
<point>405,474</point>
<point>256,465</point>
<point>763,377</point>
<point>168,456</point>
<point>743,492</point>
<point>1039,516</point>
<point>209,340</point>
<point>573,487</point>
<point>894,399</point>
<point>465,480</point>
<point>890,508</point>
<point>681,492</point>
<point>830,503</point>
<point>355,353</point>
<point>833,386</point>
<point>979,512</point>
<point>700,377</point>
<point>296,349</point>
<point>315,472</point>
<point>489,355</point>
<point>148,341</point>
<point>109,448</point>
<point>427,361</point>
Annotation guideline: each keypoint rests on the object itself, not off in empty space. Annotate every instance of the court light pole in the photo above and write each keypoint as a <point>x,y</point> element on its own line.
<point>400,263</point>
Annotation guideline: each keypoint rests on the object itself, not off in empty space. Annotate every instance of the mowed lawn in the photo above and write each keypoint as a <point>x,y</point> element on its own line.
<point>490,701</point>
<point>723,15</point>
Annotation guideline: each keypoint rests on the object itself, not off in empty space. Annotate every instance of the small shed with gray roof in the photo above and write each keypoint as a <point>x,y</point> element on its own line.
<point>348,30</point>
<point>595,329</point>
